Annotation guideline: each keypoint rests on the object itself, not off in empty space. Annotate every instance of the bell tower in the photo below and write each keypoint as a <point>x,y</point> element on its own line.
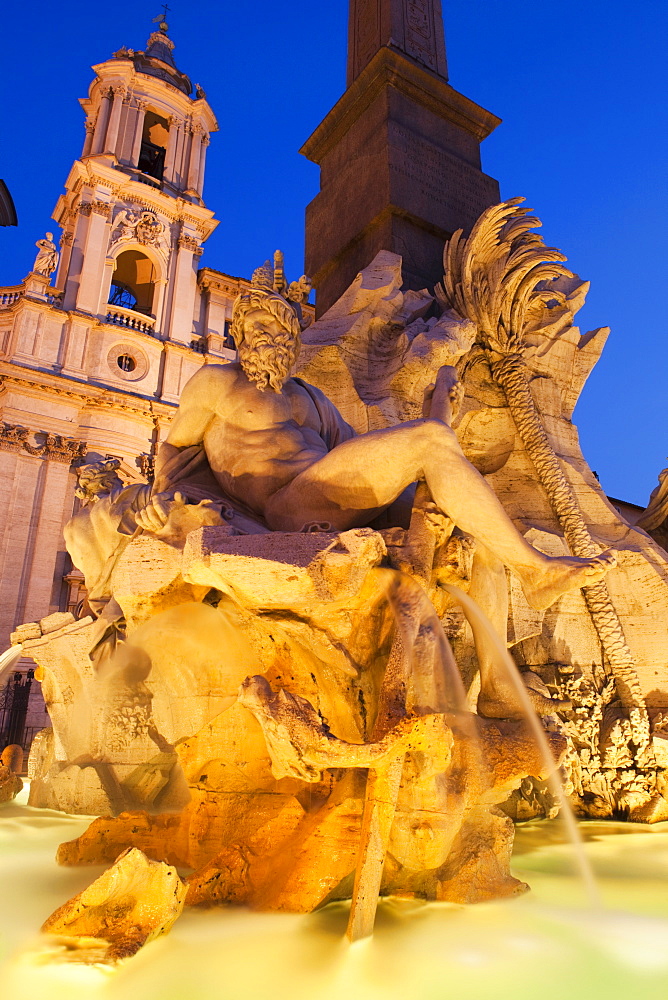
<point>133,215</point>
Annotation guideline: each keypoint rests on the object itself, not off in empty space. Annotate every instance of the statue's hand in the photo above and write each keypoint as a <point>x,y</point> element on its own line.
<point>155,514</point>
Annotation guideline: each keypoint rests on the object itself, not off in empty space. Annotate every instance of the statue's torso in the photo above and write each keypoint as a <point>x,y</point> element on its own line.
<point>257,442</point>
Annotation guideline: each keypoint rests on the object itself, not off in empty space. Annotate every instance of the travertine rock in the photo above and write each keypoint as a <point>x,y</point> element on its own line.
<point>55,621</point>
<point>654,519</point>
<point>283,570</point>
<point>289,850</point>
<point>12,757</point>
<point>116,722</point>
<point>275,814</point>
<point>288,686</point>
<point>30,630</point>
<point>374,354</point>
<point>132,903</point>
<point>11,764</point>
<point>365,367</point>
<point>40,758</point>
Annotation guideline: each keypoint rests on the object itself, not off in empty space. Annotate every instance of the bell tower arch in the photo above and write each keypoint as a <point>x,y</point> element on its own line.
<point>134,202</point>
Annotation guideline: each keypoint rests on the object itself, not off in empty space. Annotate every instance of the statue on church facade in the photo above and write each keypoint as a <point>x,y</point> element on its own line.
<point>47,257</point>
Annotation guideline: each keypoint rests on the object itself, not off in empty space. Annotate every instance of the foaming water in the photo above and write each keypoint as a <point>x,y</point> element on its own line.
<point>543,943</point>
<point>481,624</point>
<point>412,610</point>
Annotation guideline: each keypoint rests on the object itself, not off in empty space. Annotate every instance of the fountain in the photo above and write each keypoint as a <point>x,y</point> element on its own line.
<point>261,704</point>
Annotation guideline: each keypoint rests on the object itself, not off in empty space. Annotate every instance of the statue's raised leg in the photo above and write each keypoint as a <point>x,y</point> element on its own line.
<point>350,485</point>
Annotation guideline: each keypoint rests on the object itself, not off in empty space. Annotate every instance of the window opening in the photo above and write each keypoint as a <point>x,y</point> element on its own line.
<point>155,135</point>
<point>121,295</point>
<point>228,339</point>
<point>133,282</point>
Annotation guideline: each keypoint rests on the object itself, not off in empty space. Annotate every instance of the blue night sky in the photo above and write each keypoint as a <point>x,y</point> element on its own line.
<point>580,86</point>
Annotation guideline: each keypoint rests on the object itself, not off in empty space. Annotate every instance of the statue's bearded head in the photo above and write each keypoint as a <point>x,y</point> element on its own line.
<point>267,336</point>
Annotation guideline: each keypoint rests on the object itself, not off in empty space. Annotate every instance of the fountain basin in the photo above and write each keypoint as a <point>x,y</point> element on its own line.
<point>546,943</point>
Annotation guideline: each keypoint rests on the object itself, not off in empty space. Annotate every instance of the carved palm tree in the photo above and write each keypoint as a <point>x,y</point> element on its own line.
<point>498,278</point>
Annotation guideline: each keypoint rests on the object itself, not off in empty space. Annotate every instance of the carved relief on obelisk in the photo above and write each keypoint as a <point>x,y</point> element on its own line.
<point>415,27</point>
<point>365,37</point>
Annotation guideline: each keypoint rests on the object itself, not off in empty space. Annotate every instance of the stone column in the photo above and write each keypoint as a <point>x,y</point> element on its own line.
<point>36,596</point>
<point>73,346</point>
<point>27,331</point>
<point>194,159</point>
<point>94,254</point>
<point>139,128</point>
<point>18,482</point>
<point>100,133</point>
<point>66,243</point>
<point>172,143</point>
<point>114,120</point>
<point>105,284</point>
<point>73,277</point>
<point>89,126</point>
<point>186,147</point>
<point>33,494</point>
<point>160,286</point>
<point>202,162</point>
<point>127,131</point>
<point>33,497</point>
<point>184,289</point>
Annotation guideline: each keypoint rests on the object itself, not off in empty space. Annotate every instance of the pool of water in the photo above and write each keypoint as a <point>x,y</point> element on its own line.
<point>546,944</point>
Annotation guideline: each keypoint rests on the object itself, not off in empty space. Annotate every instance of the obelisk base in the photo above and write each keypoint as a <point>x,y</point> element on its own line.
<point>400,171</point>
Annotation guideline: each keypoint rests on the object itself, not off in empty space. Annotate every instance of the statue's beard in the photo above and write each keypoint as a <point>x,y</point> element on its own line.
<point>268,362</point>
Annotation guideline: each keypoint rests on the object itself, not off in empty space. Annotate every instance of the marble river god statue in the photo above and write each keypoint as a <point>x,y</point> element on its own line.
<point>280,451</point>
<point>263,691</point>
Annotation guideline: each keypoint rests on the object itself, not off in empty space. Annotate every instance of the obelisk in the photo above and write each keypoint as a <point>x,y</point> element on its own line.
<point>399,153</point>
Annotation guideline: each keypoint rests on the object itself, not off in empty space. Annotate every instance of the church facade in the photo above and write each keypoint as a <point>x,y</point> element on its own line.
<point>94,352</point>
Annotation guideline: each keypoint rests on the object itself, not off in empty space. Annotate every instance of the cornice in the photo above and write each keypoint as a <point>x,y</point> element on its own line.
<point>93,172</point>
<point>173,347</point>
<point>165,95</point>
<point>228,284</point>
<point>84,394</point>
<point>391,68</point>
<point>56,447</point>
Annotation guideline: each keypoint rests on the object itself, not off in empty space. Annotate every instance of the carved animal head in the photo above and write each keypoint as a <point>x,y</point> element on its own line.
<point>97,480</point>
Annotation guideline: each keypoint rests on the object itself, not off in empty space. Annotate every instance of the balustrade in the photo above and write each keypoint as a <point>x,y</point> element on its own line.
<point>8,296</point>
<point>131,320</point>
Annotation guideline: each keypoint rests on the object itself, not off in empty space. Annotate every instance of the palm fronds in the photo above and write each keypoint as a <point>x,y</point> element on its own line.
<point>499,273</point>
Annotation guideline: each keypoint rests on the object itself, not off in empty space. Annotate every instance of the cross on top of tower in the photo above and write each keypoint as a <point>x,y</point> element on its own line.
<point>161,19</point>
